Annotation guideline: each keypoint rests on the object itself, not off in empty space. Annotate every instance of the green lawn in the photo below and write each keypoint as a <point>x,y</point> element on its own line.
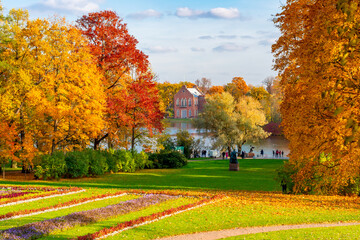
<point>254,174</point>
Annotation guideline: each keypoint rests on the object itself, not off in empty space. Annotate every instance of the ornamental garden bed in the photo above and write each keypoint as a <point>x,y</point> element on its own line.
<point>155,204</point>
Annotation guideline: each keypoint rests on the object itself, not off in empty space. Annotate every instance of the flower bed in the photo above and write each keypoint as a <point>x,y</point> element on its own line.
<point>106,232</point>
<point>72,203</point>
<point>39,229</point>
<point>31,193</point>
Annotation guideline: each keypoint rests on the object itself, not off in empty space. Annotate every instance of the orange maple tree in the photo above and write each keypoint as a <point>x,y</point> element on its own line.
<point>237,88</point>
<point>318,59</point>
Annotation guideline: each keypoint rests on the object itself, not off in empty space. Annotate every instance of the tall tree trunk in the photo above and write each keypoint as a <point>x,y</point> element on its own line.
<point>132,139</point>
<point>97,141</point>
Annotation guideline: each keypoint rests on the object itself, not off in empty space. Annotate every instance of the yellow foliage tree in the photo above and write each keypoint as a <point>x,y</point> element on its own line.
<point>318,59</point>
<point>50,87</point>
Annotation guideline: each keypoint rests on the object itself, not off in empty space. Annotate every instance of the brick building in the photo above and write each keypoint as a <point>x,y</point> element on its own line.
<point>188,102</point>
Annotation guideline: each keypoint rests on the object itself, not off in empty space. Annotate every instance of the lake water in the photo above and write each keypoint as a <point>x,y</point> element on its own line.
<point>269,144</point>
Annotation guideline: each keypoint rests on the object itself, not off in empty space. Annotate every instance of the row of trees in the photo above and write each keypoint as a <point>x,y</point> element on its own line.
<point>318,57</point>
<point>269,96</point>
<point>65,87</point>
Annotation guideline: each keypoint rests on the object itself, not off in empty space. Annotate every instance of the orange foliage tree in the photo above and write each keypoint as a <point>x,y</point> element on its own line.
<point>237,88</point>
<point>318,57</point>
<point>216,90</point>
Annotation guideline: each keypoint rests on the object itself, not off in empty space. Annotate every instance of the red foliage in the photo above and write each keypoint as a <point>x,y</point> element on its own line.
<point>112,45</point>
<point>273,128</point>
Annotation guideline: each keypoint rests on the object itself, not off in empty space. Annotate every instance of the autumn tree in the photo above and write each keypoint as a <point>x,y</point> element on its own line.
<point>45,93</point>
<point>204,84</point>
<point>231,124</point>
<point>136,112</point>
<point>259,93</point>
<point>167,92</point>
<point>317,57</point>
<point>118,59</point>
<point>216,90</point>
<point>237,88</point>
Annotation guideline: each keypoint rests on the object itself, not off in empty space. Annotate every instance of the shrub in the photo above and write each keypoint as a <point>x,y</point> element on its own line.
<point>50,166</point>
<point>168,159</point>
<point>111,160</point>
<point>125,161</point>
<point>97,162</point>
<point>77,164</point>
<point>142,160</point>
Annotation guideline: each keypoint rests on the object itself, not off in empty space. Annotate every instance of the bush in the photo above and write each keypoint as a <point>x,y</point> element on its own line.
<point>111,160</point>
<point>50,166</point>
<point>142,160</point>
<point>97,162</point>
<point>168,159</point>
<point>77,164</point>
<point>125,161</point>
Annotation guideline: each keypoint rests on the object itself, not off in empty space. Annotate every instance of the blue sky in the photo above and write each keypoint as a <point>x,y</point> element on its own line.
<point>187,39</point>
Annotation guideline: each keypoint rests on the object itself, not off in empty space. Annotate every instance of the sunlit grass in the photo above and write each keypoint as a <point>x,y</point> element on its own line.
<point>331,233</point>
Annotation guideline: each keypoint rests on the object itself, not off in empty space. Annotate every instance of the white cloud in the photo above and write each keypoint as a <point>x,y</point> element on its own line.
<point>221,13</point>
<point>187,12</point>
<point>228,13</point>
<point>229,47</point>
<point>82,6</point>
<point>160,49</point>
<point>146,14</point>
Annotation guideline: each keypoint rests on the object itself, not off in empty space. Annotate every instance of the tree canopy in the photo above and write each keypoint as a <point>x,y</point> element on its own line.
<point>317,57</point>
<point>232,123</point>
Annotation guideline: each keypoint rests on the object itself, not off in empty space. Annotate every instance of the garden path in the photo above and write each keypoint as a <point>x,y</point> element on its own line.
<point>251,230</point>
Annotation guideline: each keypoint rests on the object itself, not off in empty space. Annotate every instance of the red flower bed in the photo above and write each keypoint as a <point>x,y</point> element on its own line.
<point>35,193</point>
<point>57,206</point>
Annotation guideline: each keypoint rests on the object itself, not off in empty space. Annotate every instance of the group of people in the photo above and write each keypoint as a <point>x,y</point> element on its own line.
<point>200,153</point>
<point>278,153</point>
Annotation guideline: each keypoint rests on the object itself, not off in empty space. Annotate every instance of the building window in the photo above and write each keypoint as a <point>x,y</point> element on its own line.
<point>189,102</point>
<point>178,114</point>
<point>195,113</point>
<point>177,102</point>
<point>189,112</point>
<point>196,101</point>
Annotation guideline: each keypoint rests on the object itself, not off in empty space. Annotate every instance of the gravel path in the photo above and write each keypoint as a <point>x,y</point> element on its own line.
<point>251,230</point>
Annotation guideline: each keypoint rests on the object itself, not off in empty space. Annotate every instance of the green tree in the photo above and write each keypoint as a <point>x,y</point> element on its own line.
<point>184,139</point>
<point>231,124</point>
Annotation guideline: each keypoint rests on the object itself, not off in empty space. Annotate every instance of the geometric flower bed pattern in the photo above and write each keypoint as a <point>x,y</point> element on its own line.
<point>72,203</point>
<point>106,232</point>
<point>10,195</point>
<point>40,229</point>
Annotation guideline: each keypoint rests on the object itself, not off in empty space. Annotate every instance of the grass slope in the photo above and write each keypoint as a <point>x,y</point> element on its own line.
<point>254,175</point>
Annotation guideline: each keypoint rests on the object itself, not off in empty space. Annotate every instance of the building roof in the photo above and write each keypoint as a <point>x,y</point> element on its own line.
<point>194,92</point>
